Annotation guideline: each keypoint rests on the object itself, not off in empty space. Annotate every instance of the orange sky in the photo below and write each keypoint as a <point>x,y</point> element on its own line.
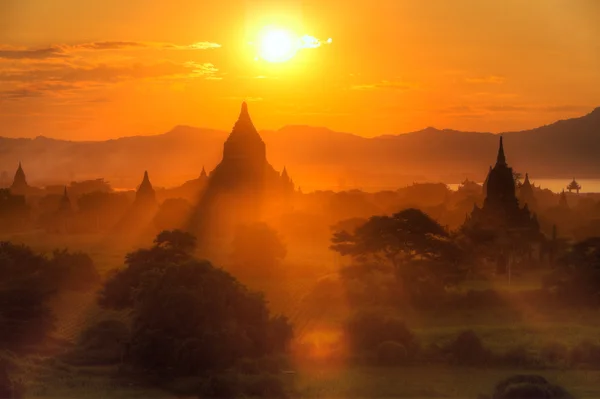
<point>98,69</point>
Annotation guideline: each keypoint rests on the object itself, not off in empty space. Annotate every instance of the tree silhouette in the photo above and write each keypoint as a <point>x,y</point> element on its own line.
<point>27,281</point>
<point>420,251</point>
<point>577,277</point>
<point>258,246</point>
<point>189,316</point>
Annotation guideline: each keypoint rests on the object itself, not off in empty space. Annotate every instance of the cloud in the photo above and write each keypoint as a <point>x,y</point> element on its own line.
<point>492,79</point>
<point>62,51</point>
<point>110,74</point>
<point>19,94</point>
<point>65,80</point>
<point>384,84</point>
<point>108,45</point>
<point>487,109</point>
<point>44,53</point>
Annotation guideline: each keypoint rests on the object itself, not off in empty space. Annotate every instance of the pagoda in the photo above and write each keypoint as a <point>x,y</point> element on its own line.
<point>19,184</point>
<point>562,200</point>
<point>574,186</point>
<point>242,186</point>
<point>145,194</point>
<point>501,217</point>
<point>526,195</point>
<point>64,206</point>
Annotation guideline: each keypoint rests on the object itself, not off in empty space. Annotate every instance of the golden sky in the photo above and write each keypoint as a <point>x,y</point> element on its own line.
<point>99,69</point>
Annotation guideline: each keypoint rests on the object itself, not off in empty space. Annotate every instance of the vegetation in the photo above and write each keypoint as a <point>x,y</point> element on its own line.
<point>187,315</point>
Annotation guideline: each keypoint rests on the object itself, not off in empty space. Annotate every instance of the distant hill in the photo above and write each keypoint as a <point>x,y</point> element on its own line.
<point>317,158</point>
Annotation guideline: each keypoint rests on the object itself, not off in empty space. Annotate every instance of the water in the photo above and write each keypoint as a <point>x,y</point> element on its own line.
<point>557,185</point>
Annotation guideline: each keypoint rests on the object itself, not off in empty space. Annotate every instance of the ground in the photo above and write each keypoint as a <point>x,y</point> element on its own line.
<point>48,377</point>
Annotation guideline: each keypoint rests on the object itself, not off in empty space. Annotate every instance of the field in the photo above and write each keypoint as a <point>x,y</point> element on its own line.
<point>499,329</point>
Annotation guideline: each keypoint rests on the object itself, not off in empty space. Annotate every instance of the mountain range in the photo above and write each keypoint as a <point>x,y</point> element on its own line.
<point>316,158</point>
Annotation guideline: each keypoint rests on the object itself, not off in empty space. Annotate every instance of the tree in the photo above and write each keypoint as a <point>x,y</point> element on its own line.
<point>27,281</point>
<point>258,246</point>
<point>400,238</point>
<point>419,250</point>
<point>189,316</point>
<point>577,277</point>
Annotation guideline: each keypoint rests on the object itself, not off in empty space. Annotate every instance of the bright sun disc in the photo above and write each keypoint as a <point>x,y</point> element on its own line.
<point>277,45</point>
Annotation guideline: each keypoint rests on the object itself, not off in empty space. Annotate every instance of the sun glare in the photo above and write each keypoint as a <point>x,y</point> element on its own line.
<point>277,45</point>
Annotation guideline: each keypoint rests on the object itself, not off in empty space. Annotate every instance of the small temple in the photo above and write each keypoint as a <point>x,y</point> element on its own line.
<point>574,186</point>
<point>145,194</point>
<point>65,203</point>
<point>19,184</point>
<point>526,194</point>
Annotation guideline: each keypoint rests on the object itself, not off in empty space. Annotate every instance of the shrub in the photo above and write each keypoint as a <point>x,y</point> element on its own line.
<point>102,343</point>
<point>230,385</point>
<point>467,349</point>
<point>518,356</point>
<point>222,386</point>
<point>554,353</point>
<point>391,353</point>
<point>366,330</point>
<point>9,387</point>
<point>266,364</point>
<point>265,386</point>
<point>528,387</point>
<point>585,353</point>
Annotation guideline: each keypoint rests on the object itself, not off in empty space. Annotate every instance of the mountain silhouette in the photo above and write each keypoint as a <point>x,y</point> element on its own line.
<point>316,157</point>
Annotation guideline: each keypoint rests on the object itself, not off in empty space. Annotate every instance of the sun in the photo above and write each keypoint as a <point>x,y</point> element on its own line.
<point>277,44</point>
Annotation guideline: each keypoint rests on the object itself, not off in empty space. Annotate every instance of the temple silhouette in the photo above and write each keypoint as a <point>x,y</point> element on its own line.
<point>501,218</point>
<point>242,186</point>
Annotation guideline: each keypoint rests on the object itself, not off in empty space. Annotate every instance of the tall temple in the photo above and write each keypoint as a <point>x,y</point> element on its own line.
<point>501,214</point>
<point>242,186</point>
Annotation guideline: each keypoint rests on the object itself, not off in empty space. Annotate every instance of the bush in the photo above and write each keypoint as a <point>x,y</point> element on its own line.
<point>554,353</point>
<point>9,387</point>
<point>222,386</point>
<point>102,343</point>
<point>366,330</point>
<point>467,349</point>
<point>391,353</point>
<point>266,364</point>
<point>585,353</point>
<point>265,386</point>
<point>528,387</point>
<point>518,356</point>
<point>230,385</point>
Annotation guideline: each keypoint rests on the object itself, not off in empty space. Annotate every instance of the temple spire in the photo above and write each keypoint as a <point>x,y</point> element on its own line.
<point>501,160</point>
<point>203,174</point>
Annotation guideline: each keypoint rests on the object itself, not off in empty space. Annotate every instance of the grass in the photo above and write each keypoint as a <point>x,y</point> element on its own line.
<point>428,382</point>
<point>499,328</point>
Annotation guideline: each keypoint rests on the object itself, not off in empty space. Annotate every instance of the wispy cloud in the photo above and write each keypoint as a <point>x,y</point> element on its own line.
<point>384,84</point>
<point>109,73</point>
<point>487,109</point>
<point>62,50</point>
<point>38,54</point>
<point>491,79</point>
